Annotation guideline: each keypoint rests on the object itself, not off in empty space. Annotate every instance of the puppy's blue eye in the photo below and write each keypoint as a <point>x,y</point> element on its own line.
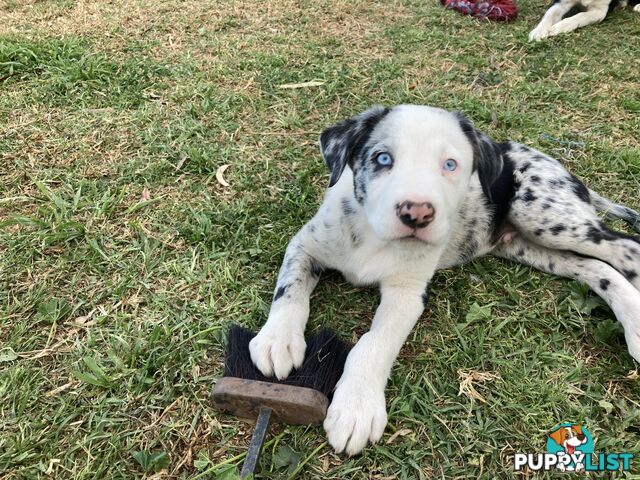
<point>384,159</point>
<point>450,165</point>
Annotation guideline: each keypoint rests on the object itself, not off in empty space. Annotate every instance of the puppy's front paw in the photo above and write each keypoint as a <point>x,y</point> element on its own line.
<point>637,8</point>
<point>357,415</point>
<point>539,33</point>
<point>277,349</point>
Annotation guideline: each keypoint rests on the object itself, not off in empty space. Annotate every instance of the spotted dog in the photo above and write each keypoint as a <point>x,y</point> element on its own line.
<point>414,189</point>
<point>595,11</point>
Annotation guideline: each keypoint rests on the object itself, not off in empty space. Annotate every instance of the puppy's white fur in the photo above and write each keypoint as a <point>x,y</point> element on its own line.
<point>553,24</point>
<point>357,231</point>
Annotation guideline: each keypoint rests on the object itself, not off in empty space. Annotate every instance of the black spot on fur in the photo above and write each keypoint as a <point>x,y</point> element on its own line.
<point>525,166</point>
<point>316,268</point>
<point>557,183</point>
<point>312,228</point>
<point>598,233</point>
<point>538,232</point>
<point>528,196</point>
<point>556,229</point>
<point>359,187</point>
<point>425,296</point>
<point>347,208</point>
<point>354,238</point>
<point>538,156</point>
<point>604,283</point>
<point>520,253</point>
<point>280,292</point>
<point>546,206</point>
<point>630,274</point>
<point>579,189</point>
<point>535,179</point>
<point>552,267</point>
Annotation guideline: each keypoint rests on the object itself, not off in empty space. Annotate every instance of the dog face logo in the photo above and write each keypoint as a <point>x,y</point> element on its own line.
<point>569,437</point>
<point>571,442</point>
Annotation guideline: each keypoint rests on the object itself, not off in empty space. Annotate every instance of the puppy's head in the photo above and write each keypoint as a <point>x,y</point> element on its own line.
<point>411,167</point>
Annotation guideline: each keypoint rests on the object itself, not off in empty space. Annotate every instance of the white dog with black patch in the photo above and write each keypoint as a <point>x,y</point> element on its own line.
<point>554,23</point>
<point>414,189</point>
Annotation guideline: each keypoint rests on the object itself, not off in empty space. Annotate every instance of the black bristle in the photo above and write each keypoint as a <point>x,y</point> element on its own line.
<point>321,369</point>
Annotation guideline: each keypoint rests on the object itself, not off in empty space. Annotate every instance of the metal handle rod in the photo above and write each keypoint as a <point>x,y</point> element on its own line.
<point>259,432</point>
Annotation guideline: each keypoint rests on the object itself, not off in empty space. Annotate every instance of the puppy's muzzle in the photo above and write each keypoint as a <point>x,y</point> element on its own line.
<point>415,215</point>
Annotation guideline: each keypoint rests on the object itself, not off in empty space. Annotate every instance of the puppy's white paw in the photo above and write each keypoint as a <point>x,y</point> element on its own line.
<point>539,33</point>
<point>637,8</point>
<point>559,28</point>
<point>277,349</point>
<point>357,415</point>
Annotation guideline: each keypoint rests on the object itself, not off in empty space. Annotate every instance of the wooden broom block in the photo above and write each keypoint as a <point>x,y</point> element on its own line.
<point>288,404</point>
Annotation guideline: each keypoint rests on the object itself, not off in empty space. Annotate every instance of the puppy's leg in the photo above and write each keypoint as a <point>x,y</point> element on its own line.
<point>554,209</point>
<point>357,414</point>
<point>593,15</point>
<point>592,238</point>
<point>279,346</point>
<point>605,280</point>
<point>552,16</point>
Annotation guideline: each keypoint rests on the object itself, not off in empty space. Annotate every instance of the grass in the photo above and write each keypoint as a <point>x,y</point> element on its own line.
<point>123,260</point>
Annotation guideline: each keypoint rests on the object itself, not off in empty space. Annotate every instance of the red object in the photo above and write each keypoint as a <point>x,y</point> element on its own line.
<point>500,10</point>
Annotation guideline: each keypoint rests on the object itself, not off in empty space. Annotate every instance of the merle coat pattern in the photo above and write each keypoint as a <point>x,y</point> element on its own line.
<point>414,189</point>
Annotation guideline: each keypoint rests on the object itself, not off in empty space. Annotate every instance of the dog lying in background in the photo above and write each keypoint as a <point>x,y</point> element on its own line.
<point>414,189</point>
<point>552,22</point>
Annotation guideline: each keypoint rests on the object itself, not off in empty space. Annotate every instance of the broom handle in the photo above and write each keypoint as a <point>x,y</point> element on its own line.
<point>259,432</point>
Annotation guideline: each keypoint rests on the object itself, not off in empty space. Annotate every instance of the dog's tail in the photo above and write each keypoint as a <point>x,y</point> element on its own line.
<point>614,210</point>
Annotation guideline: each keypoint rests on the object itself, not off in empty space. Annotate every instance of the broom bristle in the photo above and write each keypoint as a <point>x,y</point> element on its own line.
<point>321,369</point>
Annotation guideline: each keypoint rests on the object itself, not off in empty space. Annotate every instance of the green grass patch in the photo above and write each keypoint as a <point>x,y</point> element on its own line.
<point>123,260</point>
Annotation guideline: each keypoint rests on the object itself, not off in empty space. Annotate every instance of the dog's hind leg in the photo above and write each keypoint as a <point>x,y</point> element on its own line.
<point>553,208</point>
<point>585,235</point>
<point>605,280</point>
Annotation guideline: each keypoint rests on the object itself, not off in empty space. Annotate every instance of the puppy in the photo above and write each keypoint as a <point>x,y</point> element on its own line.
<point>414,189</point>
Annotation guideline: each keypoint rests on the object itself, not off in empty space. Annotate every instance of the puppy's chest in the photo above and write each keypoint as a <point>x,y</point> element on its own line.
<point>369,263</point>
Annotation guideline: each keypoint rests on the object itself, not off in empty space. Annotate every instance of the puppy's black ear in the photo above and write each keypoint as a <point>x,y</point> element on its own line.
<point>487,158</point>
<point>341,143</point>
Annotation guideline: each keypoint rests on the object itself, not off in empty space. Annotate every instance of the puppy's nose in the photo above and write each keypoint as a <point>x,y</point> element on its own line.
<point>581,436</point>
<point>415,215</point>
